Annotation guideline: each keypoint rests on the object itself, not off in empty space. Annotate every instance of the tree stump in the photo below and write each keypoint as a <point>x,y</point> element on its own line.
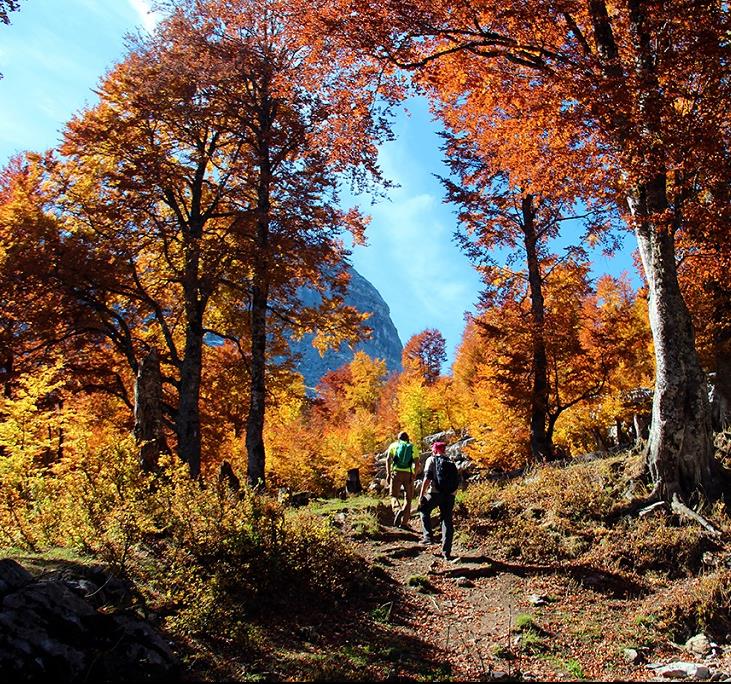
<point>227,476</point>
<point>148,428</point>
<point>352,484</point>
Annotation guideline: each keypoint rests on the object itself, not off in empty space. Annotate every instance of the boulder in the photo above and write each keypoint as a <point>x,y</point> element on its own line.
<point>50,630</point>
<point>698,645</point>
<point>12,576</point>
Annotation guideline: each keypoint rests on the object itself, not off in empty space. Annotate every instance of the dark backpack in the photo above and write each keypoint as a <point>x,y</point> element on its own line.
<point>446,475</point>
<point>403,456</point>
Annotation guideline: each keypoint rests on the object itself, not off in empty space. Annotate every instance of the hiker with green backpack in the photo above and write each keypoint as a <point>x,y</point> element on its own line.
<point>400,466</point>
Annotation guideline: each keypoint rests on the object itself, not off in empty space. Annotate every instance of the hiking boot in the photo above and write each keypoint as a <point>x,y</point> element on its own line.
<point>398,518</point>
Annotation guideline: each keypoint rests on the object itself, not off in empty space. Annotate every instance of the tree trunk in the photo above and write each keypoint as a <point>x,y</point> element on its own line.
<point>188,422</point>
<point>255,421</point>
<point>256,456</point>
<point>540,442</point>
<point>680,445</point>
<point>352,483</point>
<point>148,430</point>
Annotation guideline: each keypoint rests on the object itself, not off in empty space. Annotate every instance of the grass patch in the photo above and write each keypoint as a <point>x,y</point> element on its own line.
<point>353,503</point>
<point>364,524</point>
<point>524,622</point>
<point>571,666</point>
<point>502,652</point>
<point>421,584</point>
<point>382,613</point>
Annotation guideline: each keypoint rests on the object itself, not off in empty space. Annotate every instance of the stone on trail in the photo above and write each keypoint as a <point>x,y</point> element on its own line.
<point>698,645</point>
<point>632,656</point>
<point>682,670</point>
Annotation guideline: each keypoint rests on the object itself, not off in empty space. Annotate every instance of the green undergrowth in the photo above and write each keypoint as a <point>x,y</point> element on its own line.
<point>358,516</point>
<point>351,503</point>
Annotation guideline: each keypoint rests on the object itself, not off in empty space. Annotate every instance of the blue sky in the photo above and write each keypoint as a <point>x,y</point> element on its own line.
<point>54,53</point>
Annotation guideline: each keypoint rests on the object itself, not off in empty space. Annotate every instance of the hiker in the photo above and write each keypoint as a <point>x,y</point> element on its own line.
<point>442,478</point>
<point>400,473</point>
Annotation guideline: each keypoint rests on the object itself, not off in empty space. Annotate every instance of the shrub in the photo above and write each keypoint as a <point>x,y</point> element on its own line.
<point>206,557</point>
<point>695,605</point>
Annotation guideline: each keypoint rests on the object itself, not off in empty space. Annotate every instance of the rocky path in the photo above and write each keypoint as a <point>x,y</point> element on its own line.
<point>493,620</point>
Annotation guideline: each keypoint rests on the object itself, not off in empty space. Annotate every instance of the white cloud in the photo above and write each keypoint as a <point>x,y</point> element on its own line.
<point>147,16</point>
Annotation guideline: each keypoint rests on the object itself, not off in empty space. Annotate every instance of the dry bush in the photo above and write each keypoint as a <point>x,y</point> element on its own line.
<point>203,555</point>
<point>652,544</point>
<point>699,604</point>
<point>549,514</point>
<point>567,513</point>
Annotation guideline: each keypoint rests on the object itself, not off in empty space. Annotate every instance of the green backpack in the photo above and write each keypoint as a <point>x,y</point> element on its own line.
<point>403,456</point>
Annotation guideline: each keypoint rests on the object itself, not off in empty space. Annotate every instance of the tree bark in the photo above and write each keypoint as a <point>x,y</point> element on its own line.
<point>680,445</point>
<point>188,423</point>
<point>540,440</point>
<point>148,430</point>
<point>188,420</point>
<point>256,456</point>
<point>255,422</point>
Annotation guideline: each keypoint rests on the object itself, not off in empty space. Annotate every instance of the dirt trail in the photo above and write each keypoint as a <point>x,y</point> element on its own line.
<point>466,609</point>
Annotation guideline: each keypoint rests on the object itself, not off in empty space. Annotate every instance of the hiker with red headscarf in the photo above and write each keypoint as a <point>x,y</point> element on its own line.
<point>441,477</point>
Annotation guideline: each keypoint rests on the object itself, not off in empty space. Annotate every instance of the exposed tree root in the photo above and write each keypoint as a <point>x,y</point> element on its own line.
<point>678,507</point>
<point>633,507</point>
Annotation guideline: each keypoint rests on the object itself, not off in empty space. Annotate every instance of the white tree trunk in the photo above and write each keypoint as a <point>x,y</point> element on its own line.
<point>680,446</point>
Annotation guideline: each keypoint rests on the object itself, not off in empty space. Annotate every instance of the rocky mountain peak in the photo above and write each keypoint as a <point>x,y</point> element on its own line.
<point>384,342</point>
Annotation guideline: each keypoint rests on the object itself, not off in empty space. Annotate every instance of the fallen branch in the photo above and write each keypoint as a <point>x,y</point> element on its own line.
<point>684,511</point>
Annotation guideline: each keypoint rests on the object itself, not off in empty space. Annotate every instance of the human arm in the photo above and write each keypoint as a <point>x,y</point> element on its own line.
<point>428,476</point>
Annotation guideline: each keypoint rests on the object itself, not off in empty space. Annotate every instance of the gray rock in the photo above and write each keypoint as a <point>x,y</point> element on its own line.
<point>464,582</point>
<point>12,576</point>
<point>59,607</point>
<point>384,342</point>
<point>698,645</point>
<point>632,656</point>
<point>50,632</point>
<point>682,670</point>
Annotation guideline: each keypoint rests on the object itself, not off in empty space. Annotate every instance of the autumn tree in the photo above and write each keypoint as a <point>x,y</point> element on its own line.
<point>7,6</point>
<point>616,333</point>
<point>494,364</point>
<point>704,271</point>
<point>643,86</point>
<point>208,176</point>
<point>424,354</point>
<point>513,216</point>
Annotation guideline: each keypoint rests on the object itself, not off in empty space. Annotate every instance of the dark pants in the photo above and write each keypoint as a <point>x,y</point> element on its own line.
<point>446,507</point>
